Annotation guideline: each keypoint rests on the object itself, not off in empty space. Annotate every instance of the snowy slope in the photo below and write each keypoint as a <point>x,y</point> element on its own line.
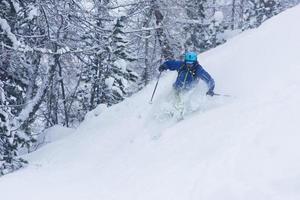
<point>240,148</point>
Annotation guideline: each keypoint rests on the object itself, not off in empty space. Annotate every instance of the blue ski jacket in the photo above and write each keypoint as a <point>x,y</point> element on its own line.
<point>188,77</point>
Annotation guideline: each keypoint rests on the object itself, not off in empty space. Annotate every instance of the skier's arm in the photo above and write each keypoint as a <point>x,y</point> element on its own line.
<point>204,75</point>
<point>171,65</point>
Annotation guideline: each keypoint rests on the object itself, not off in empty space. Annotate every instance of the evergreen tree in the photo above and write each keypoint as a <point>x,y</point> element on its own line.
<point>259,11</point>
<point>10,139</point>
<point>107,75</point>
<point>14,83</point>
<point>117,76</point>
<point>203,27</point>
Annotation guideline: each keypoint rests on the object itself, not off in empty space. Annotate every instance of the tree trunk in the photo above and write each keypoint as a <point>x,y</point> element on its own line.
<point>26,117</point>
<point>241,23</point>
<point>166,49</point>
<point>147,64</point>
<point>233,14</point>
<point>61,81</point>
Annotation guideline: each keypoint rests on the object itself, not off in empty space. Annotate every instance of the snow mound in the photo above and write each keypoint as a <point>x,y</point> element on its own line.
<point>56,133</point>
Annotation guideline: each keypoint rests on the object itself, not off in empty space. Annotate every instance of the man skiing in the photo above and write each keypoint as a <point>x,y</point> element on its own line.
<point>189,73</point>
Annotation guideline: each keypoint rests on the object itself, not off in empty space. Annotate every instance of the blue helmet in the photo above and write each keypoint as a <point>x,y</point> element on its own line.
<point>190,57</point>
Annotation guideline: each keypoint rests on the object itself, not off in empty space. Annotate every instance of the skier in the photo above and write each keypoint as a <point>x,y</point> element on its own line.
<point>189,73</point>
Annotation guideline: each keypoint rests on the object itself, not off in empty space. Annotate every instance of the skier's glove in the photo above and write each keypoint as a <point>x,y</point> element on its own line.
<point>161,68</point>
<point>210,93</point>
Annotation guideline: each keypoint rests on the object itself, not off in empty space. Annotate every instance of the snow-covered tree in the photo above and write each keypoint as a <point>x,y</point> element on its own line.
<point>260,10</point>
<point>203,26</point>
<point>119,76</point>
<point>15,80</point>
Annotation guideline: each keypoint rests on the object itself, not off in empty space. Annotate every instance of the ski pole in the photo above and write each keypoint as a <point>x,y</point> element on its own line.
<point>155,87</point>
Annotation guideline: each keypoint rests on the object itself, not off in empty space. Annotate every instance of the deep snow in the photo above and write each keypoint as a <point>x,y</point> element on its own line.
<point>240,148</point>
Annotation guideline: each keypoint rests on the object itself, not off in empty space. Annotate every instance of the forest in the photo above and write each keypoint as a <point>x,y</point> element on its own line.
<point>61,59</point>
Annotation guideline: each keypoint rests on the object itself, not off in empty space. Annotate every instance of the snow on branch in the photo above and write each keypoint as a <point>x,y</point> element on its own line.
<point>144,29</point>
<point>6,28</point>
<point>16,6</point>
